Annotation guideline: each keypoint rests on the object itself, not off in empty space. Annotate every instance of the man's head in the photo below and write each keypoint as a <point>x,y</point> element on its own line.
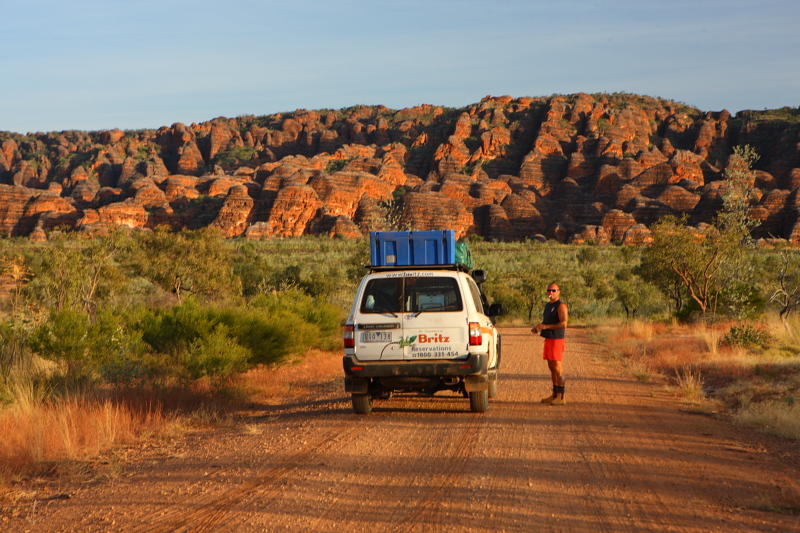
<point>553,292</point>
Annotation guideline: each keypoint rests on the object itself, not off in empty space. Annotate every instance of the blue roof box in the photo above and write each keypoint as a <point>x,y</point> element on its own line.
<point>412,248</point>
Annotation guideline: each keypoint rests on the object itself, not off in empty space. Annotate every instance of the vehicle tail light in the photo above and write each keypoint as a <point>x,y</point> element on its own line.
<point>349,336</point>
<point>475,335</point>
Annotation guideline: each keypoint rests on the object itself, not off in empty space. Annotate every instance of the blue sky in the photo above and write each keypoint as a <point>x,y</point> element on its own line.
<point>102,64</point>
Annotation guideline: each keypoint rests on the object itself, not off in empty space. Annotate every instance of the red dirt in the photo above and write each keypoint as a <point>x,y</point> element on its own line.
<point>620,456</point>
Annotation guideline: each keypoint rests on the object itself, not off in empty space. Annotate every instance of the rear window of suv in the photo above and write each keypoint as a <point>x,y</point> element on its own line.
<point>411,294</point>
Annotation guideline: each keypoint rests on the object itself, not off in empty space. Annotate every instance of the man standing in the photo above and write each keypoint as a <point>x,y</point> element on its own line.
<point>553,329</point>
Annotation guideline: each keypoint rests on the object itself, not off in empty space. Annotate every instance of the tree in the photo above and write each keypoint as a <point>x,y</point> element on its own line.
<point>56,283</point>
<point>633,293</point>
<point>738,295</point>
<point>11,337</point>
<point>693,256</point>
<point>667,280</point>
<point>77,271</point>
<point>195,262</point>
<point>102,275</point>
<point>253,270</point>
<point>788,292</point>
<point>532,287</point>
<point>739,194</point>
<point>707,259</point>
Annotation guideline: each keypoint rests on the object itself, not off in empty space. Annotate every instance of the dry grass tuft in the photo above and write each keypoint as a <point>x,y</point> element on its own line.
<point>690,383</point>
<point>72,428</point>
<point>314,372</point>
<point>758,385</point>
<point>780,418</point>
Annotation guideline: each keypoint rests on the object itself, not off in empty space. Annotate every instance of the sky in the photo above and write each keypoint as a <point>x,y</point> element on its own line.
<point>104,64</point>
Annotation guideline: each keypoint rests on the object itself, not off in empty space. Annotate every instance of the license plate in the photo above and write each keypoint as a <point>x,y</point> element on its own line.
<point>376,336</point>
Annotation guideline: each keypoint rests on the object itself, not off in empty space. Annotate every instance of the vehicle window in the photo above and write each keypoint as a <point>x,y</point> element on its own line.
<point>432,294</point>
<point>382,295</point>
<point>477,296</point>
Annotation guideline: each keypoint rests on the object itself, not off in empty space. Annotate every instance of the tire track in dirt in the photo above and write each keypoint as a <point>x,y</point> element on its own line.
<point>403,464</point>
<point>207,515</point>
<point>457,458</point>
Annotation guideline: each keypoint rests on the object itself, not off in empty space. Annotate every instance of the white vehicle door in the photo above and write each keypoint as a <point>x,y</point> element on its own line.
<point>379,331</point>
<point>434,317</point>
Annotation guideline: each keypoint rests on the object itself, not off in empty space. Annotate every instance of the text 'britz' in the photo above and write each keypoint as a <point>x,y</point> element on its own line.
<point>422,338</point>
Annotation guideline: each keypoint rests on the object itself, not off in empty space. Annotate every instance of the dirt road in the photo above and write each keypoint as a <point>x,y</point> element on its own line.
<point>620,456</point>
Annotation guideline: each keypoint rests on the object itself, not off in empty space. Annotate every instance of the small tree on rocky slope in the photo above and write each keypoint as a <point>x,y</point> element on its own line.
<point>708,261</point>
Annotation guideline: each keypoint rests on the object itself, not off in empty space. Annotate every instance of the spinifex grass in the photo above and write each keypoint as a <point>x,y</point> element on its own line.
<point>780,418</point>
<point>37,431</point>
<point>755,385</point>
<point>317,371</point>
<point>41,429</point>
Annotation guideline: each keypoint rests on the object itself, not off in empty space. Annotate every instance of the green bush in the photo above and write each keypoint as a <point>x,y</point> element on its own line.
<point>90,349</point>
<point>324,318</point>
<point>270,338</point>
<point>747,335</point>
<point>514,302</point>
<point>171,331</point>
<point>217,356</point>
<point>236,155</point>
<point>214,342</point>
<point>65,338</point>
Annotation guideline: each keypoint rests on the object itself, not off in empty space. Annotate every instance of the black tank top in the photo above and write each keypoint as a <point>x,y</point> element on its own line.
<point>550,316</point>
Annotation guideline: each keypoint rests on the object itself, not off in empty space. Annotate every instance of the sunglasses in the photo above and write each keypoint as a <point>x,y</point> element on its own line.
<point>552,290</point>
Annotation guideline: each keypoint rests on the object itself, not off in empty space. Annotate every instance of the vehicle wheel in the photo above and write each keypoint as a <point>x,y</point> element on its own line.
<point>362,404</point>
<point>492,387</point>
<point>478,401</point>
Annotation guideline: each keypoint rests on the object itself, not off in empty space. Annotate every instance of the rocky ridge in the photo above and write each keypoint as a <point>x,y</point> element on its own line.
<point>575,168</point>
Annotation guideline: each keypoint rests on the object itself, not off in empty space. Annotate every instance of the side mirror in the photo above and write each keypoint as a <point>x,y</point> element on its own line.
<point>495,310</point>
<point>479,276</point>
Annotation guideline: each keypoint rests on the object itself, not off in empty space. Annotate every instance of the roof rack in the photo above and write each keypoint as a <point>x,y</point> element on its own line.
<point>459,267</point>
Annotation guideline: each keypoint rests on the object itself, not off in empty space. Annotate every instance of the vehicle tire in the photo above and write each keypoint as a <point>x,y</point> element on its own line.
<point>362,404</point>
<point>492,387</point>
<point>478,401</point>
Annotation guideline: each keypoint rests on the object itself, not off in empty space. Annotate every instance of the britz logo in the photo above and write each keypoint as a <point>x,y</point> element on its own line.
<point>422,339</point>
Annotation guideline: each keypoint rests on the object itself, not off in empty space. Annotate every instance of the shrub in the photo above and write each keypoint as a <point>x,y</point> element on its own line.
<point>746,335</point>
<point>217,356</point>
<point>324,318</point>
<point>270,337</point>
<point>196,342</point>
<point>515,303</point>
<point>236,155</point>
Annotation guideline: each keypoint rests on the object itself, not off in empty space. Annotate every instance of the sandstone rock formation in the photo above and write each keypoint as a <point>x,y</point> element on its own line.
<point>576,168</point>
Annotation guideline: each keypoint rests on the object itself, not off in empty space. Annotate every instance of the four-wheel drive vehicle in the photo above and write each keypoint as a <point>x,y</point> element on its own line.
<point>420,322</point>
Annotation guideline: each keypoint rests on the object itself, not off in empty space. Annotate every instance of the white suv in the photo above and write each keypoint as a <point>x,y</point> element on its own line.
<point>421,328</point>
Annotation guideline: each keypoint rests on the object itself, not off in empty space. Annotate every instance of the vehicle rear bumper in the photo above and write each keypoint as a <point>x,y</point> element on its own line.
<point>476,363</point>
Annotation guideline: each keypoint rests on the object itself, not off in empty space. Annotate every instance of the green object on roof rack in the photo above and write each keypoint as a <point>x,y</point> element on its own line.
<point>464,254</point>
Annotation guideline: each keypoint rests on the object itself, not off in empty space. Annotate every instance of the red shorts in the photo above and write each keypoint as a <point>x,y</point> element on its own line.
<point>553,349</point>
